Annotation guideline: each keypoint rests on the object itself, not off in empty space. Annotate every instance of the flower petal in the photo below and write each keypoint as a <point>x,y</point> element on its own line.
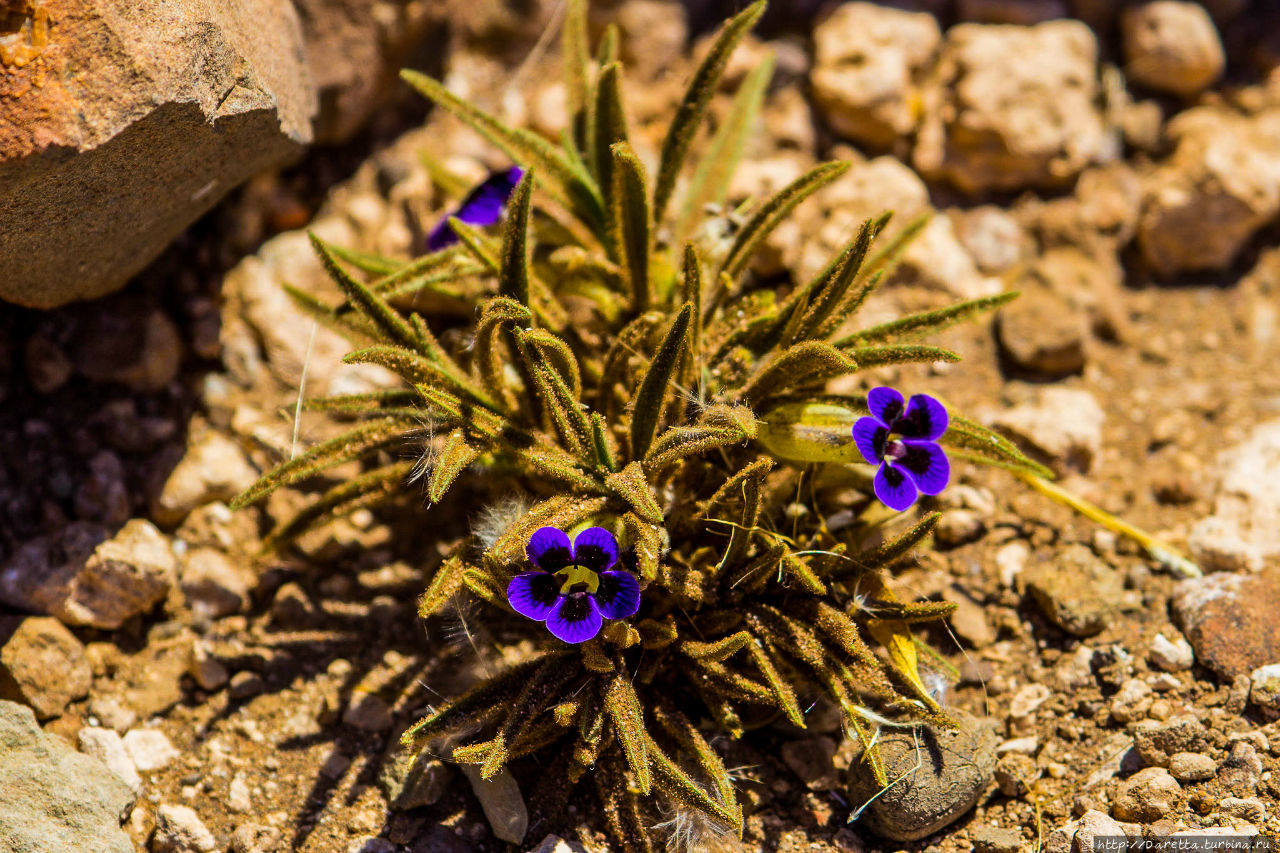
<point>595,549</point>
<point>533,594</point>
<point>924,418</point>
<point>441,236</point>
<point>549,549</point>
<point>576,618</point>
<point>885,403</point>
<point>870,435</point>
<point>928,465</point>
<point>618,595</point>
<point>482,206</point>
<point>894,487</point>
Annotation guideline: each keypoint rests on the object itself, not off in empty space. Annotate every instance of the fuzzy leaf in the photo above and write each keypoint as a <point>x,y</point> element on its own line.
<point>481,699</point>
<point>368,489</point>
<point>988,447</point>
<point>896,638</point>
<point>653,389</point>
<point>868,357</point>
<point>576,54</point>
<point>485,586</point>
<point>886,554</point>
<point>803,364</point>
<point>610,128</point>
<point>710,182</point>
<point>733,487</point>
<point>513,280</point>
<point>562,511</point>
<point>676,784</point>
<point>384,318</point>
<point>647,541</point>
<point>623,705</point>
<point>454,457</point>
<point>445,583</point>
<point>523,146</point>
<point>823,316</point>
<point>688,117</point>
<point>369,262</point>
<point>774,211</point>
<point>630,485</point>
<point>926,321</point>
<point>602,443</point>
<point>353,327</point>
<point>682,442</point>
<point>350,445</point>
<point>630,222</point>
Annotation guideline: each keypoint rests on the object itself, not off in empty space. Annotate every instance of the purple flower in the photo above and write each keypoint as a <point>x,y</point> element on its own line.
<point>482,206</point>
<point>912,462</point>
<point>574,589</point>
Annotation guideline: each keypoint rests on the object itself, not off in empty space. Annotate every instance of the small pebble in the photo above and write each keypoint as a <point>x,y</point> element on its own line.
<point>1191,766</point>
<point>1173,655</point>
<point>149,749</point>
<point>180,830</point>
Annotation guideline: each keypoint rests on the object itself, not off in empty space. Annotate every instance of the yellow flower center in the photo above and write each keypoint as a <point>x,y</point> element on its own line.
<point>574,576</point>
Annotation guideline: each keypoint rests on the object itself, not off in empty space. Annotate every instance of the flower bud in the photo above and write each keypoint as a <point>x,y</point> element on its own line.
<point>810,432</point>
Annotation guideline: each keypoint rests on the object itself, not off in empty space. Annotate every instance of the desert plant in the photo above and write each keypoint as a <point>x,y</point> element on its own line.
<point>665,409</point>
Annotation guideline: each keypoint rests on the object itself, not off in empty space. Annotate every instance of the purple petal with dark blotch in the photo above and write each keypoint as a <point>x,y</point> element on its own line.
<point>869,434</point>
<point>576,618</point>
<point>924,418</point>
<point>928,465</point>
<point>549,549</point>
<point>885,403</point>
<point>595,549</point>
<point>618,595</point>
<point>894,487</point>
<point>533,594</point>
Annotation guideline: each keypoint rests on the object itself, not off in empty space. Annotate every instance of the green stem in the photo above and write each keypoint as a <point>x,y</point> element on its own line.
<point>1162,553</point>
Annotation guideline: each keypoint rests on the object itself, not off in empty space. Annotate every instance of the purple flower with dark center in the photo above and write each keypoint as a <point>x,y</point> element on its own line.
<point>575,587</point>
<point>902,438</point>
<point>482,206</point>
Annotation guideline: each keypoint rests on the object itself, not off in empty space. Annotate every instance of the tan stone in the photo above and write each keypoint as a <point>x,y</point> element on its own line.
<point>1014,107</point>
<point>1171,46</point>
<point>42,664</point>
<point>125,120</point>
<point>1217,189</point>
<point>868,64</point>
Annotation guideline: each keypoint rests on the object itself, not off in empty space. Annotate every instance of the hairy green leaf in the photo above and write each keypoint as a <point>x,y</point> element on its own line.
<point>688,117</point>
<point>653,389</point>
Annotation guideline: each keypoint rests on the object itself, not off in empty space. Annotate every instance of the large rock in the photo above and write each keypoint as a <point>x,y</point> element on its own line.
<point>129,120</point>
<point>1231,620</point>
<point>938,775</point>
<point>52,798</point>
<point>1217,189</point>
<point>1015,108</point>
<point>355,50</point>
<point>868,61</point>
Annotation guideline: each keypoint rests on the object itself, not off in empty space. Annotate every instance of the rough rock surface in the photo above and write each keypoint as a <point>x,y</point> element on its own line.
<point>954,766</point>
<point>1015,108</point>
<point>97,583</point>
<point>1243,534</point>
<point>52,798</point>
<point>42,664</point>
<point>1078,591</point>
<point>868,61</point>
<point>180,830</point>
<point>1062,426</point>
<point>1220,185</point>
<point>191,96</point>
<point>1231,620</point>
<point>214,469</point>
<point>355,49</point>
<point>1171,46</point>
